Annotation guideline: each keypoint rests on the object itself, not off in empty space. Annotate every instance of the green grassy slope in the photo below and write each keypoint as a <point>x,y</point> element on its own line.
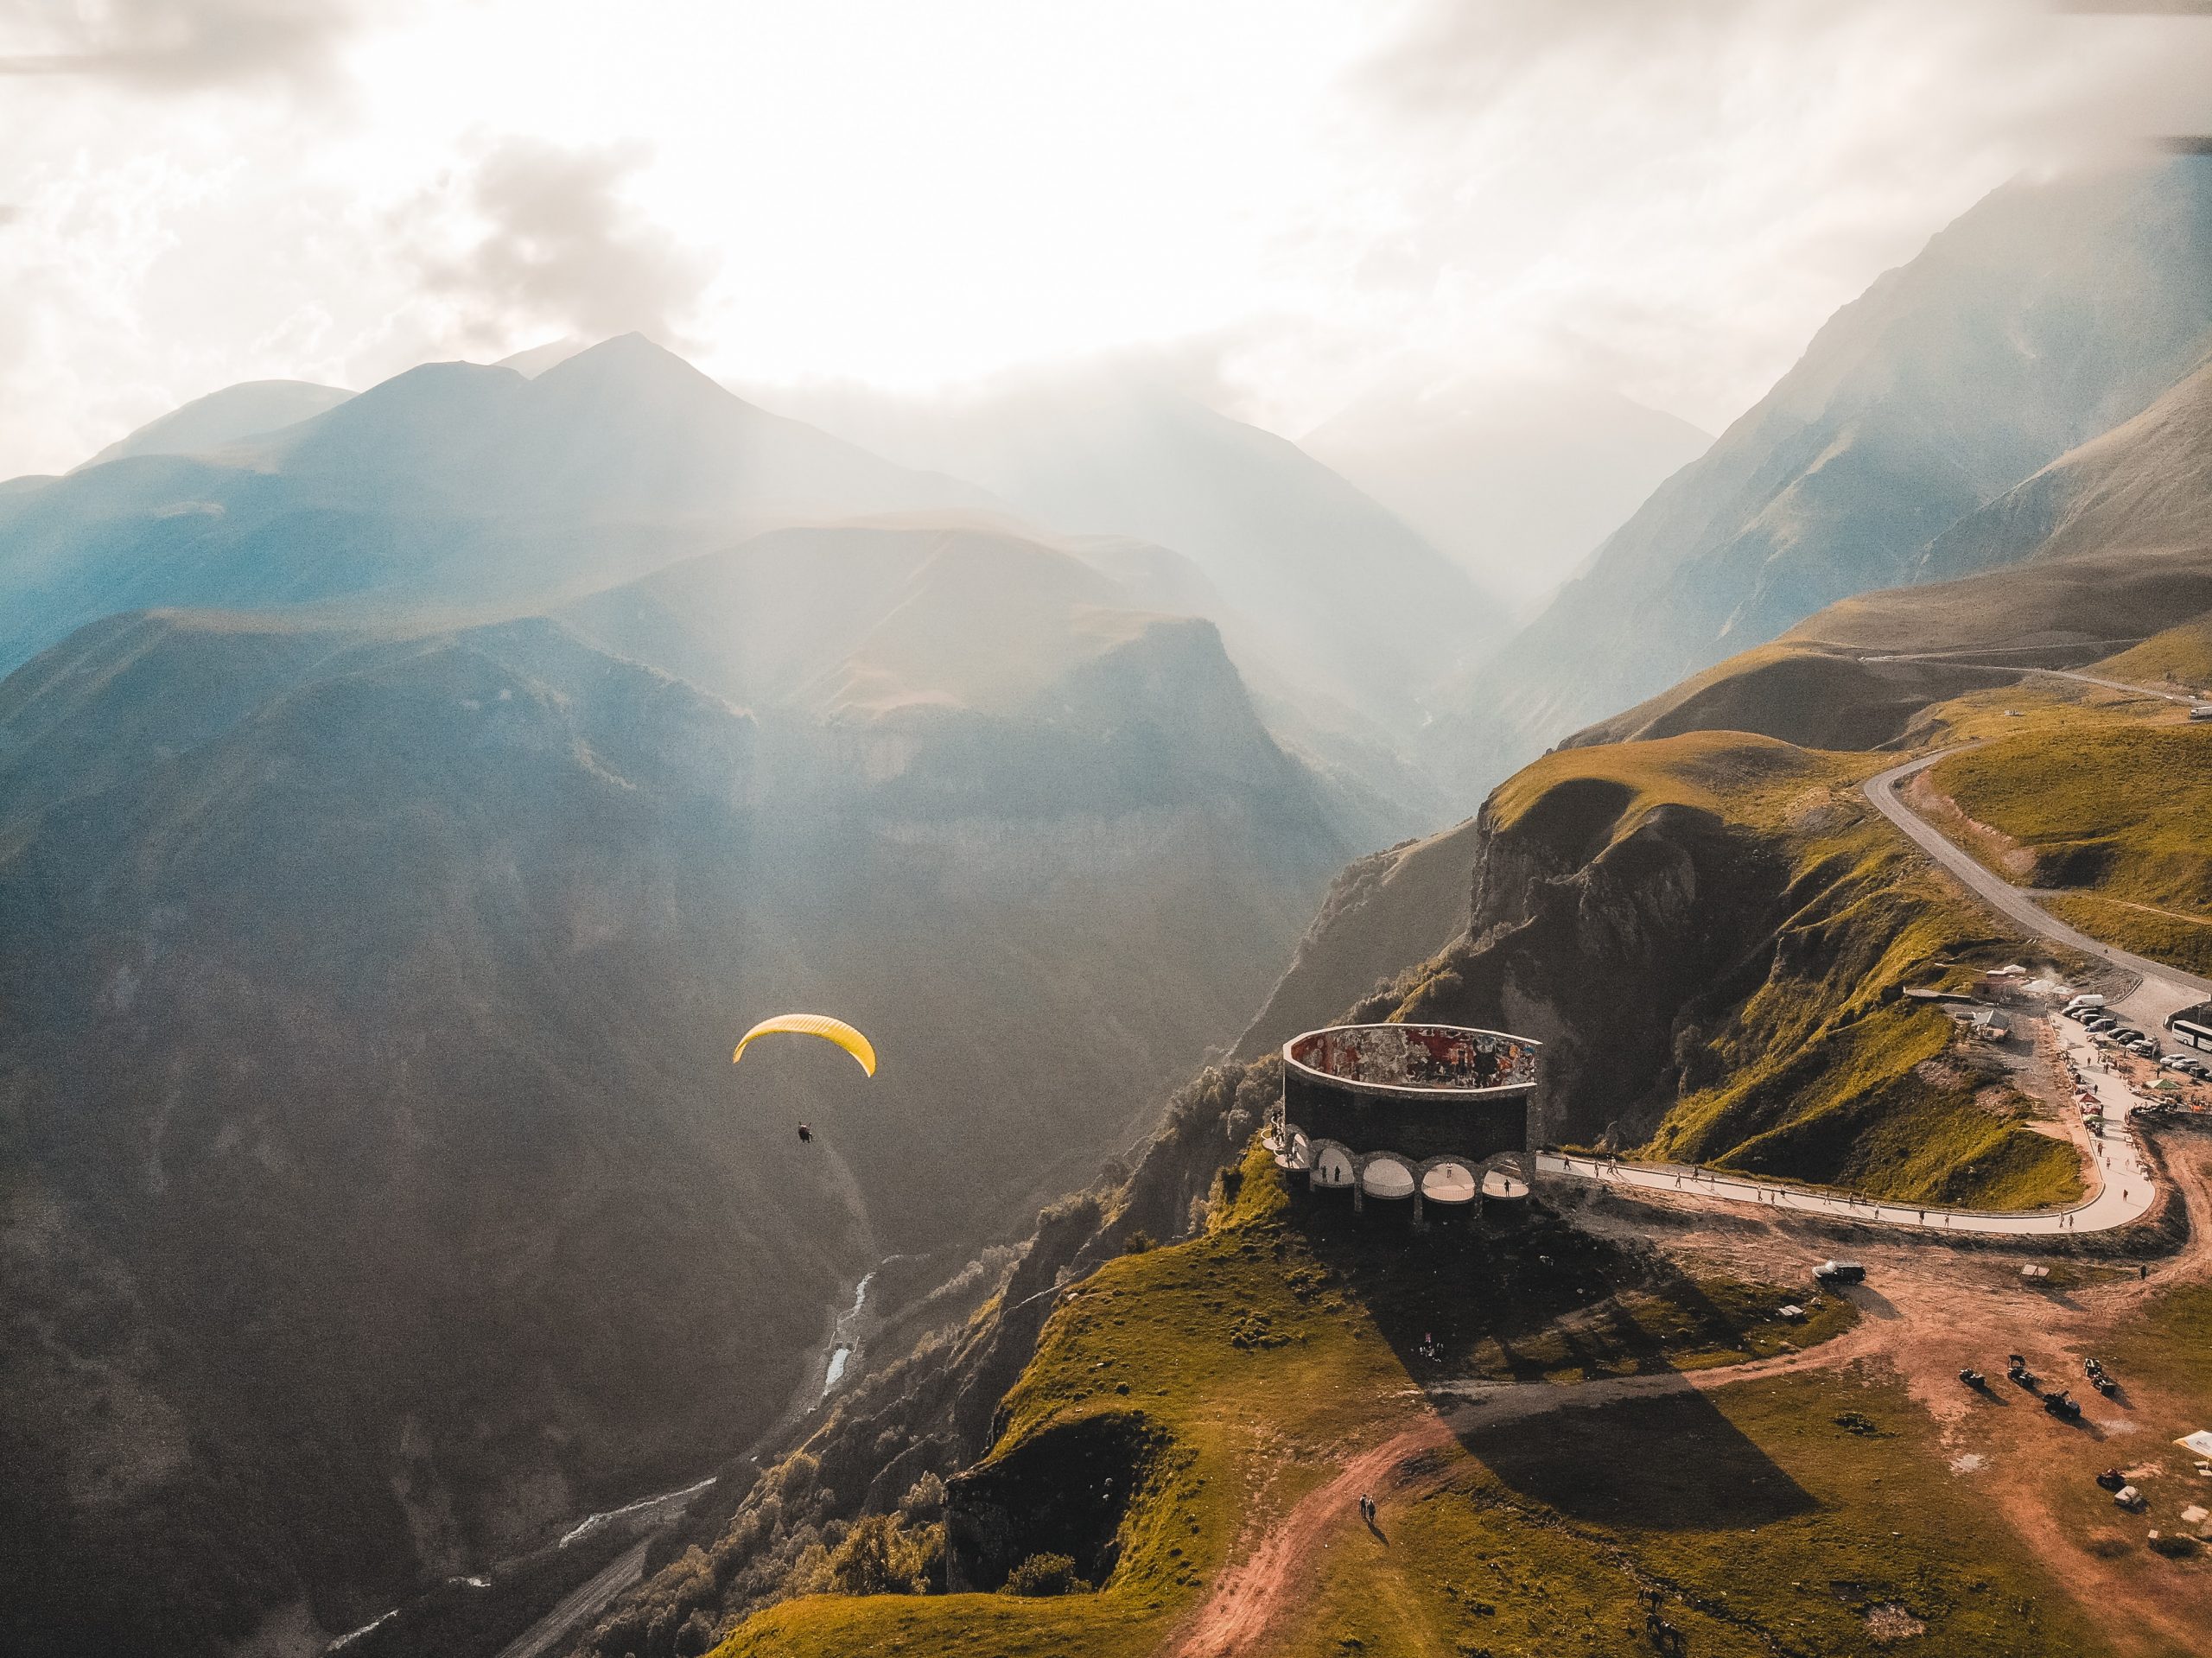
<point>1834,680</point>
<point>1264,1353</point>
<point>1788,1050</point>
<point>2114,812</point>
<point>2179,655</point>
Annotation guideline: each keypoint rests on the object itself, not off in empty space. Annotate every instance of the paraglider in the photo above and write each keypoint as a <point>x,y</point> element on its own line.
<point>829,1029</point>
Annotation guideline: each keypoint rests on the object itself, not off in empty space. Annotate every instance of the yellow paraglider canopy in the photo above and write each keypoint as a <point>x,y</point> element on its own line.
<point>829,1029</point>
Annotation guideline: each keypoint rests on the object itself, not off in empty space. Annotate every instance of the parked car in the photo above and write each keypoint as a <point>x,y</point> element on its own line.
<point>1840,1272</point>
<point>2145,1049</point>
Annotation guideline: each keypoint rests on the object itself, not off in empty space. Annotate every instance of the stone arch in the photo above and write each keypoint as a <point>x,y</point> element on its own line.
<point>1334,1166</point>
<point>1451,1180</point>
<point>1509,1176</point>
<point>1386,1174</point>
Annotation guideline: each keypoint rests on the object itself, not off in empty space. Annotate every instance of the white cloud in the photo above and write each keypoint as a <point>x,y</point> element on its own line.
<point>1319,197</point>
<point>1669,198</point>
<point>177,46</point>
<point>539,239</point>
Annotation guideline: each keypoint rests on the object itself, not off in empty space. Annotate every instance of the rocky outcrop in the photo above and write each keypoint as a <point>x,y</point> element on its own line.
<point>1604,935</point>
<point>1061,1492</point>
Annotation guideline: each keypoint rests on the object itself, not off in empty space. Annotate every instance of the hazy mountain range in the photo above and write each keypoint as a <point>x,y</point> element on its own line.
<point>2044,316</point>
<point>388,869</point>
<point>1339,591</point>
<point>405,797</point>
<point>222,418</point>
<point>384,1194</point>
<point>1516,479</point>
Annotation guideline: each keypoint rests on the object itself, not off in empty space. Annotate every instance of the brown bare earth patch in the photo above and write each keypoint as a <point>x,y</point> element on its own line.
<point>1891,1622</point>
<point>1933,1309</point>
<point>1992,846</point>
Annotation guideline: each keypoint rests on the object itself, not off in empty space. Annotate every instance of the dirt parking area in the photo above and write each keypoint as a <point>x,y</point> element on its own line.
<point>1933,1308</point>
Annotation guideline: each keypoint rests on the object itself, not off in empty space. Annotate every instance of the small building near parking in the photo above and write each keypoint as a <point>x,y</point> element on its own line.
<point>1985,1024</point>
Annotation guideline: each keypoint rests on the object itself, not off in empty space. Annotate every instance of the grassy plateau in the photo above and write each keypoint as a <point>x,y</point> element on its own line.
<point>1792,1514</point>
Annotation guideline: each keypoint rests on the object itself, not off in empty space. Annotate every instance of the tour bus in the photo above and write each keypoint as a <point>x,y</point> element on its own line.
<point>2193,1026</point>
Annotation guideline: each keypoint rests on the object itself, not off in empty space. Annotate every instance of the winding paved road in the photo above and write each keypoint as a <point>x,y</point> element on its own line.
<point>2163,989</point>
<point>2123,1189</point>
<point>1953,659</point>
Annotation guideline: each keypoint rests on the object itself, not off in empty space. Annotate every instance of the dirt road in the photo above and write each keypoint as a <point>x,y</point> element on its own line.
<point>1258,1589</point>
<point>1252,1593</point>
<point>1935,1311</point>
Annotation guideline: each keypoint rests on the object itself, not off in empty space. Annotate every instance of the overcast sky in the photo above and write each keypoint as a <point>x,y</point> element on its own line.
<point>1292,201</point>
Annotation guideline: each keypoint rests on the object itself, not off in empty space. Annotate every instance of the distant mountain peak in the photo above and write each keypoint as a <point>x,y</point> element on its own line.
<point>2048,312</point>
<point>236,412</point>
<point>635,370</point>
<point>536,360</point>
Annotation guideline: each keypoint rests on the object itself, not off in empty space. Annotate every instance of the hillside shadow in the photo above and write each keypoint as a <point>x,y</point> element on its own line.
<point>1532,1302</point>
<point>1455,1293</point>
<point>1670,1461</point>
<point>1869,1300</point>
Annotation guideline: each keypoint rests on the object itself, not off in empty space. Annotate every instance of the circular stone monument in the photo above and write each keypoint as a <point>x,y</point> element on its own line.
<point>1436,1113</point>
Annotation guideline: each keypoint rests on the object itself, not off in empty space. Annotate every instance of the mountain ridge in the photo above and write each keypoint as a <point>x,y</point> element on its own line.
<point>235,413</point>
<point>2038,319</point>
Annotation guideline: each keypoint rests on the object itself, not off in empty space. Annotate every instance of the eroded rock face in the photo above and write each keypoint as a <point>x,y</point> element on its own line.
<point>1061,1491</point>
<point>1607,944</point>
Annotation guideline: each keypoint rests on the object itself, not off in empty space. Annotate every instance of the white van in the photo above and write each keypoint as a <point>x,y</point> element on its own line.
<point>2083,1004</point>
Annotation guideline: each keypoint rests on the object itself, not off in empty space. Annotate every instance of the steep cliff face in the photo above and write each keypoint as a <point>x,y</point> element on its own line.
<point>1710,933</point>
<point>1600,930</point>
